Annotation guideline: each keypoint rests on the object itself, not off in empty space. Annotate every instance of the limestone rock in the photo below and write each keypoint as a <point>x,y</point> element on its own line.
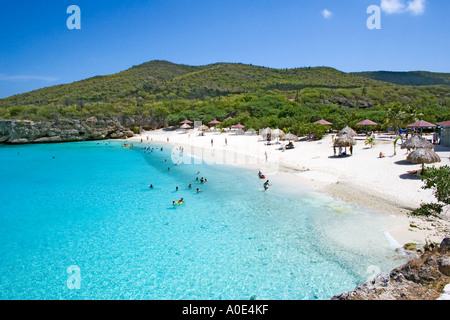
<point>444,265</point>
<point>93,128</point>
<point>445,245</point>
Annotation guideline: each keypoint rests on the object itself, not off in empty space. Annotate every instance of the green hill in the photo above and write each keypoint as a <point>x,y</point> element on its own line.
<point>162,79</point>
<point>253,95</point>
<point>413,78</point>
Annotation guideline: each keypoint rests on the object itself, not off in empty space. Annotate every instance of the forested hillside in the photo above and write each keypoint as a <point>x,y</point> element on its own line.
<point>255,96</point>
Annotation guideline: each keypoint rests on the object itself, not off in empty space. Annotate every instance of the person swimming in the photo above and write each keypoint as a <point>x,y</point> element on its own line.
<point>202,180</point>
<point>151,186</point>
<point>190,185</point>
<point>176,188</point>
<point>198,190</point>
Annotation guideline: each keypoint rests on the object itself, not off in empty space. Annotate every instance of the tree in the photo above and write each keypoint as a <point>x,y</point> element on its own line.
<point>439,181</point>
<point>370,140</point>
<point>398,116</point>
<point>395,144</point>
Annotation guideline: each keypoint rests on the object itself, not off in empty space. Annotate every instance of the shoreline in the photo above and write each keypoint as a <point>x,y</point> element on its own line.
<point>357,180</point>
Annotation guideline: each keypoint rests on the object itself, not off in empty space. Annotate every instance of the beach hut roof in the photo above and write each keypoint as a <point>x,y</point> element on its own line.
<point>277,132</point>
<point>421,124</point>
<point>265,131</point>
<point>289,136</point>
<point>367,122</point>
<point>324,122</point>
<point>347,130</point>
<point>423,155</point>
<point>444,124</point>
<point>185,121</point>
<point>214,122</point>
<point>417,142</point>
<point>238,126</point>
<point>344,140</point>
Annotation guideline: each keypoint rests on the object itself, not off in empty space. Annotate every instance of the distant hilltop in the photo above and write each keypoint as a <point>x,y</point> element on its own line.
<point>162,79</point>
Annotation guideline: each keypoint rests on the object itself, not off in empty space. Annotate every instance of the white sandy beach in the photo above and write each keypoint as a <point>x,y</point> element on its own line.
<point>363,179</point>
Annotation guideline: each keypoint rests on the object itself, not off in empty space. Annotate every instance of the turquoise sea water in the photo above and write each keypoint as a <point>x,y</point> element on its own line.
<point>89,205</point>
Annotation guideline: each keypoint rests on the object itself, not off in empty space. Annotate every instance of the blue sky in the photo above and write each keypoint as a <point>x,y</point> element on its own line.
<point>38,50</point>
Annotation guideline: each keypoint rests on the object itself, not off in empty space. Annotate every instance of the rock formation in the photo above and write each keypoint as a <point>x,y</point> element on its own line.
<point>421,278</point>
<point>93,128</point>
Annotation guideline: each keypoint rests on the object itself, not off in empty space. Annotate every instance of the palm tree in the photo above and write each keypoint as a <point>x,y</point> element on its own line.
<point>398,116</point>
<point>395,143</point>
<point>370,140</point>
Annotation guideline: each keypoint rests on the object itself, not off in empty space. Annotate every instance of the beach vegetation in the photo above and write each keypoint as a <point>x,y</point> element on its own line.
<point>370,140</point>
<point>436,179</point>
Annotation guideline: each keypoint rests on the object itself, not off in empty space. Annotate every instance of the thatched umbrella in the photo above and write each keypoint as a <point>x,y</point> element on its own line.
<point>416,142</point>
<point>251,131</point>
<point>264,132</point>
<point>344,140</point>
<point>289,136</point>
<point>423,155</point>
<point>347,130</point>
<point>185,126</point>
<point>204,128</point>
<point>277,133</point>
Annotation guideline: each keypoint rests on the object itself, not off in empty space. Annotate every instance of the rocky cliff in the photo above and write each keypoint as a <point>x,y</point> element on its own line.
<point>421,278</point>
<point>24,131</point>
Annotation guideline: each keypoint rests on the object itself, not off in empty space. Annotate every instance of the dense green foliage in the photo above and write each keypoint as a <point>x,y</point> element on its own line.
<point>414,78</point>
<point>257,97</point>
<point>439,181</point>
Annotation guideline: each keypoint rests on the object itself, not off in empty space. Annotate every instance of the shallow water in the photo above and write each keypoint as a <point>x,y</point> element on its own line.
<point>89,205</point>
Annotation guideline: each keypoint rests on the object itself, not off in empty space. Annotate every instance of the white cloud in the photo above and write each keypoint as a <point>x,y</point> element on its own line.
<point>326,13</point>
<point>26,78</point>
<point>415,7</point>
<point>392,6</point>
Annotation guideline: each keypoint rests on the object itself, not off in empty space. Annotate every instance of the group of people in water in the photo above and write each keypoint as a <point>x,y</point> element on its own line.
<point>175,202</point>
<point>266,184</point>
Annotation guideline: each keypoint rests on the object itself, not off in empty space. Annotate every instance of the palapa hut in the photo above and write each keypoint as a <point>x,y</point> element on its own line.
<point>416,142</point>
<point>289,136</point>
<point>349,131</point>
<point>185,127</point>
<point>344,140</point>
<point>422,156</point>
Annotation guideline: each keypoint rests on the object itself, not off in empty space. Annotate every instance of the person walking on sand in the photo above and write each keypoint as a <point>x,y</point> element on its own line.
<point>212,142</point>
<point>265,153</point>
<point>226,142</point>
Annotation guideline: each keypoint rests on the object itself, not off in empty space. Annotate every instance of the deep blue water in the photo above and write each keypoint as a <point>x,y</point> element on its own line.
<point>89,205</point>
